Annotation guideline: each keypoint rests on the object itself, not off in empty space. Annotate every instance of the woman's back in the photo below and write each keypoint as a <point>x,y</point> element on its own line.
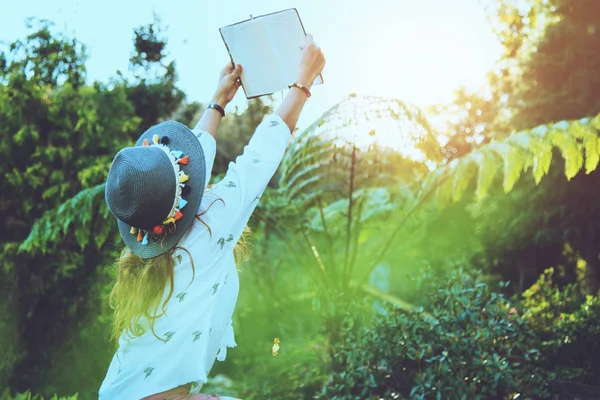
<point>156,191</point>
<point>196,326</point>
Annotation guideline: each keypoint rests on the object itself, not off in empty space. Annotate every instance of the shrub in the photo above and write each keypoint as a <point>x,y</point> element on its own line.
<point>568,324</point>
<point>297,372</point>
<point>6,395</point>
<point>475,345</point>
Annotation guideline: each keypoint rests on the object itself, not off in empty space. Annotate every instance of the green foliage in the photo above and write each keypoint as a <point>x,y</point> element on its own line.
<point>85,215</point>
<point>44,59</point>
<point>476,346</point>
<point>29,396</point>
<point>60,233</point>
<point>338,211</point>
<point>568,322</point>
<point>59,137</point>
<point>518,153</point>
<point>297,371</point>
<point>553,74</point>
<point>545,74</point>
<point>320,158</point>
<point>336,190</point>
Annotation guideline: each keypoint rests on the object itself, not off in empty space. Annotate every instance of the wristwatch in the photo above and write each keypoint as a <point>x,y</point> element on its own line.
<point>216,107</point>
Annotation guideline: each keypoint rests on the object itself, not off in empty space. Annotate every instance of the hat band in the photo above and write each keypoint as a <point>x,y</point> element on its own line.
<point>176,170</point>
<point>177,159</point>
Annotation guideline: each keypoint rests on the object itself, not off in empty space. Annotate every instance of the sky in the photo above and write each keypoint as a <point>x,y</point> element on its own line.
<point>418,51</point>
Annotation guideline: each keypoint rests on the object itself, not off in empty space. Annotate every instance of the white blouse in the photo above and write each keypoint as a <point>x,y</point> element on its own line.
<point>197,325</point>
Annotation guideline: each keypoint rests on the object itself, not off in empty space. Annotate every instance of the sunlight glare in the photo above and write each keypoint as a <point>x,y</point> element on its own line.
<point>422,61</point>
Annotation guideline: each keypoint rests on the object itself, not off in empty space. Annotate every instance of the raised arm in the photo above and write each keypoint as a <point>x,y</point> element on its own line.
<point>312,62</point>
<point>207,128</point>
<point>248,176</point>
<point>226,89</point>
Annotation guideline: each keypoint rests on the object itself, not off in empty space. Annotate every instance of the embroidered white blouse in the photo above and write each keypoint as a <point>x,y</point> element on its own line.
<point>197,326</point>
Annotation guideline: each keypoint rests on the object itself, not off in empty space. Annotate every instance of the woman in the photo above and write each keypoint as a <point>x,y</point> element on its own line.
<point>177,282</point>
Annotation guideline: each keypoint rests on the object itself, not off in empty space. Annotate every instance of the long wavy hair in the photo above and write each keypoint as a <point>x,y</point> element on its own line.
<point>140,285</point>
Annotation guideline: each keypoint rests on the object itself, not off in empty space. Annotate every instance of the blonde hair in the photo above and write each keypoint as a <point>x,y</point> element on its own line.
<point>140,285</point>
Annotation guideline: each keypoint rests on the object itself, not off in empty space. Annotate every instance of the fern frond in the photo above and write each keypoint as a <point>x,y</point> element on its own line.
<point>462,176</point>
<point>563,138</point>
<point>319,157</point>
<point>73,216</point>
<point>486,163</point>
<point>577,141</point>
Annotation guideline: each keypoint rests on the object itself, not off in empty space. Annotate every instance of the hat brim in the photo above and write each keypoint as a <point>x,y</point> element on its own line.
<point>183,139</point>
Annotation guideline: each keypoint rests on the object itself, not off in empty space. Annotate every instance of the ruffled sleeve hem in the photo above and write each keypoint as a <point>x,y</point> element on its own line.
<point>227,341</point>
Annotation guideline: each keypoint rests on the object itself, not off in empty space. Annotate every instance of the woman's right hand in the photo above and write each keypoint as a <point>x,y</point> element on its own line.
<point>312,62</point>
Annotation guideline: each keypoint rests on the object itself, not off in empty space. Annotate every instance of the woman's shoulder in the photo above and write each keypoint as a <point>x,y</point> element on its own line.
<point>209,225</point>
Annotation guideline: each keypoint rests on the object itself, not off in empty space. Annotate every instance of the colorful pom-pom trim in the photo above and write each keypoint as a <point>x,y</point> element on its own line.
<point>168,225</point>
<point>169,221</point>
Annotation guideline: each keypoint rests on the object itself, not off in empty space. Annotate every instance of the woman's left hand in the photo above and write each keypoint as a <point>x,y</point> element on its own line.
<point>228,84</point>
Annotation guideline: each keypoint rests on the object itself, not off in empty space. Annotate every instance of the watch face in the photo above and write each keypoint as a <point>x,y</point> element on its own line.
<point>218,108</point>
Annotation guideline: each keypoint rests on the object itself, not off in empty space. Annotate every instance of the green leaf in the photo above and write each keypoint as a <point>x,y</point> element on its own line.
<point>569,150</point>
<point>542,158</point>
<point>444,190</point>
<point>377,203</point>
<point>592,152</point>
<point>462,176</point>
<point>513,159</point>
<point>75,213</point>
<point>487,171</point>
<point>413,391</point>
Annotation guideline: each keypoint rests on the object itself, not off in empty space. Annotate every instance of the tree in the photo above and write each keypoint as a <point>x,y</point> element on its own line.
<point>546,74</point>
<point>551,75</point>
<point>333,185</point>
<point>59,137</point>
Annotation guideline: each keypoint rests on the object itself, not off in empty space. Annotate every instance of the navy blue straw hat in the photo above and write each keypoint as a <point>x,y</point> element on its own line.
<point>155,188</point>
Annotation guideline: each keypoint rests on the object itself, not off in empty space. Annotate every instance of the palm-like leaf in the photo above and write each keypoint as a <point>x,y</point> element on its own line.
<point>318,162</point>
<point>576,140</point>
<point>333,179</point>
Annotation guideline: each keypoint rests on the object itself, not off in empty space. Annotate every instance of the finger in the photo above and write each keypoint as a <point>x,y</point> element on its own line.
<point>237,72</point>
<point>309,39</point>
<point>227,69</point>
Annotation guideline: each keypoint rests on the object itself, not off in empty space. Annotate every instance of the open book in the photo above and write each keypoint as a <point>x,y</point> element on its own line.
<point>268,47</point>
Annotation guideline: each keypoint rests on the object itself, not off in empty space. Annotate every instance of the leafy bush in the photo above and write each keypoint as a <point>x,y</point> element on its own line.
<point>28,396</point>
<point>475,345</point>
<point>568,323</point>
<point>297,372</point>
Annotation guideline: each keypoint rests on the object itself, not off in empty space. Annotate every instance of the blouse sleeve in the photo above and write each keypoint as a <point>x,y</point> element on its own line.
<point>209,146</point>
<point>247,178</point>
